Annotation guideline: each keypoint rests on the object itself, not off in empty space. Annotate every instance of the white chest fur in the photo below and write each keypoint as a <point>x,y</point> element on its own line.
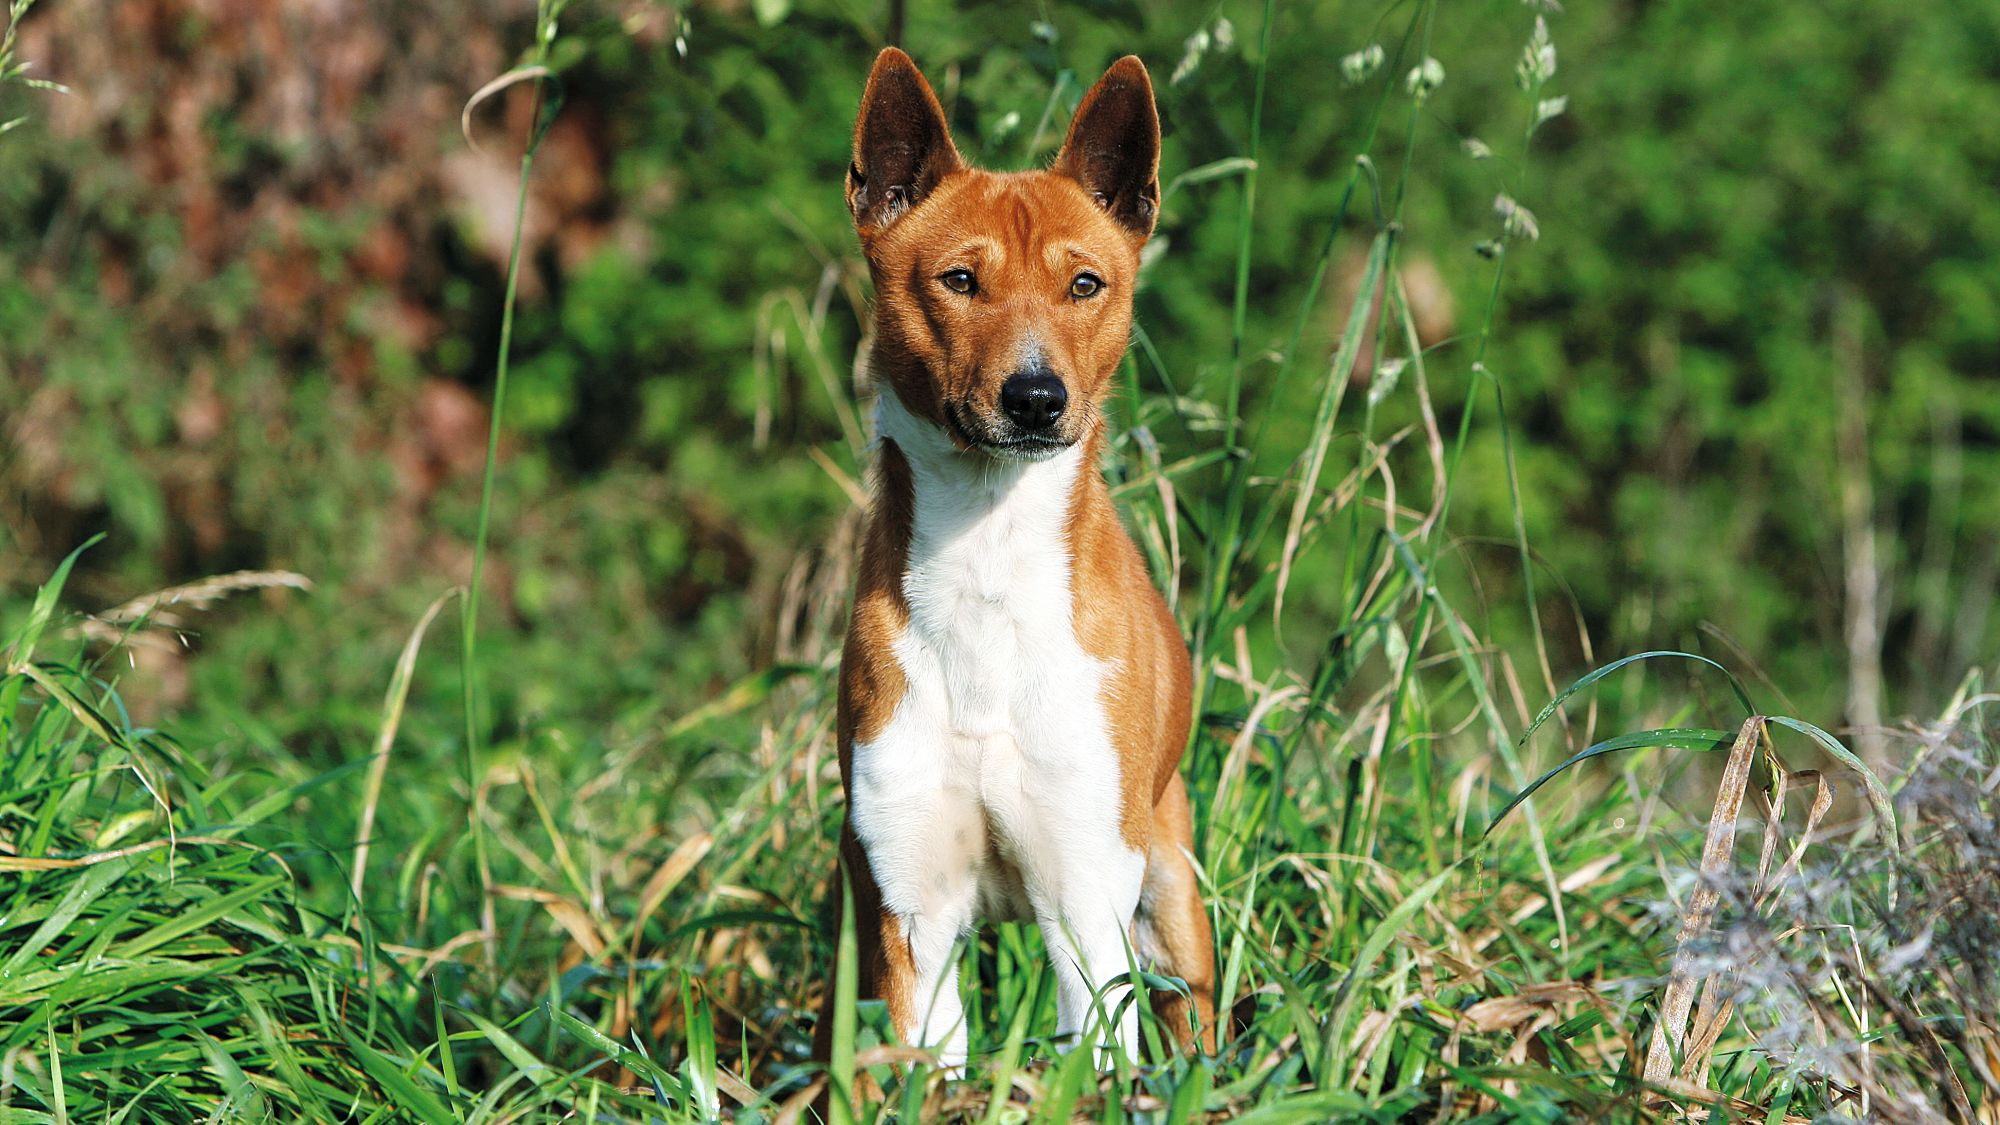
<point>993,789</point>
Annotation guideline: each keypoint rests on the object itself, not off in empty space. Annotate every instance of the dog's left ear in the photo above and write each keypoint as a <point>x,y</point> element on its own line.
<point>1113,148</point>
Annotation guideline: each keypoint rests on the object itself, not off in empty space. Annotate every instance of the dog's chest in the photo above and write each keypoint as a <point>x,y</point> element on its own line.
<point>998,758</point>
<point>991,635</point>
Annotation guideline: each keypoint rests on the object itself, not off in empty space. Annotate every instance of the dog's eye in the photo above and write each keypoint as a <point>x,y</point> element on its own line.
<point>958,281</point>
<point>1085,285</point>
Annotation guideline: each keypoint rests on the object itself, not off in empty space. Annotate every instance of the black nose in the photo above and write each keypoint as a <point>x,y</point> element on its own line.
<point>1033,399</point>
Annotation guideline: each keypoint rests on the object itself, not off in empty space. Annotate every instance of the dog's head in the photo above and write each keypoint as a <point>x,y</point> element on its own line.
<point>1003,301</point>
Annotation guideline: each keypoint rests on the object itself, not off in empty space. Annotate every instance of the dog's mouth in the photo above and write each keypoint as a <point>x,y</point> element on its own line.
<point>1027,449</point>
<point>1009,444</point>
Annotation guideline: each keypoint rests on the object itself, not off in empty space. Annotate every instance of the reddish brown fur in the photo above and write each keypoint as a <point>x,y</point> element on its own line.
<point>870,689</point>
<point>945,355</point>
<point>921,212</point>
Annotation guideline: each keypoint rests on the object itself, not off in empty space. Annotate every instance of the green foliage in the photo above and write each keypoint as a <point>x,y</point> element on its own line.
<point>162,964</point>
<point>1739,205</point>
<point>1731,207</point>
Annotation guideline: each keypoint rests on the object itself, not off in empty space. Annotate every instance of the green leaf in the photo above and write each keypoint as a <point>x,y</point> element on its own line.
<point>1378,941</point>
<point>398,1085</point>
<point>700,1066</point>
<point>846,984</point>
<point>81,894</point>
<point>45,607</point>
<point>243,1097</point>
<point>625,1056</point>
<point>744,693</point>
<point>1878,794</point>
<point>534,1069</point>
<point>1563,696</point>
<point>1190,1095</point>
<point>1678,738</point>
<point>210,911</point>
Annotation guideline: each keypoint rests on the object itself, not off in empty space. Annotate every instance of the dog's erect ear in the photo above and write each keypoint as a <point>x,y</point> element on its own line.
<point>902,147</point>
<point>1113,148</point>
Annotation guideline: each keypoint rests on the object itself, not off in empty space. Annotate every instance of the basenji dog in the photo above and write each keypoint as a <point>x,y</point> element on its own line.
<point>1014,693</point>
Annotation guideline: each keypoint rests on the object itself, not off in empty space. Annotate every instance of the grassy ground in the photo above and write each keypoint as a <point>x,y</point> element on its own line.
<point>479,918</point>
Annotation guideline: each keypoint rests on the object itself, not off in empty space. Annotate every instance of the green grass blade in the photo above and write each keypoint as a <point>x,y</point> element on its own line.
<point>1675,738</point>
<point>846,983</point>
<point>699,1068</point>
<point>1735,686</point>
<point>398,1085</point>
<point>23,649</point>
<point>624,1056</point>
<point>385,739</point>
<point>525,1062</point>
<point>210,911</point>
<point>242,1099</point>
<point>1191,1094</point>
<point>1213,170</point>
<point>58,1097</point>
<point>1331,397</point>
<point>1385,931</point>
<point>1878,794</point>
<point>94,883</point>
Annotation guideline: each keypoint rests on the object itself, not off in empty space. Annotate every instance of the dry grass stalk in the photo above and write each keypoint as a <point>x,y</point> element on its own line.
<point>392,718</point>
<point>1702,997</point>
<point>1669,1035</point>
<point>198,595</point>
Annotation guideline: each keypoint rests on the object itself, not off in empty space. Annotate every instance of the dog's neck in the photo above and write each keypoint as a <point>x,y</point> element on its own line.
<point>989,573</point>
<point>955,479</point>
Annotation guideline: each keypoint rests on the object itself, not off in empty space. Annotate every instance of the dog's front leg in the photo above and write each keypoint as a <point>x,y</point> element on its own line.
<point>925,839</point>
<point>934,945</point>
<point>1083,883</point>
<point>1089,951</point>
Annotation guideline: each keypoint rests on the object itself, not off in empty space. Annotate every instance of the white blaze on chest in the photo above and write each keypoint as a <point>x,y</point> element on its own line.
<point>1002,712</point>
<point>988,584</point>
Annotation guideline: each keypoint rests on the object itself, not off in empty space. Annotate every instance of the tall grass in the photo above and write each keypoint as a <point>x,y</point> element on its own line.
<point>640,927</point>
<point>536,72</point>
<point>15,71</point>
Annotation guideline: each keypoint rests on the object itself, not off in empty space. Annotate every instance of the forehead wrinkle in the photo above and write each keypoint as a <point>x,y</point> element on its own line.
<point>973,251</point>
<point>1063,258</point>
<point>1020,226</point>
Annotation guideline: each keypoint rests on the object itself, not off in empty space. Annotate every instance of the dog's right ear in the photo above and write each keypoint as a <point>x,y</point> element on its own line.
<point>902,147</point>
